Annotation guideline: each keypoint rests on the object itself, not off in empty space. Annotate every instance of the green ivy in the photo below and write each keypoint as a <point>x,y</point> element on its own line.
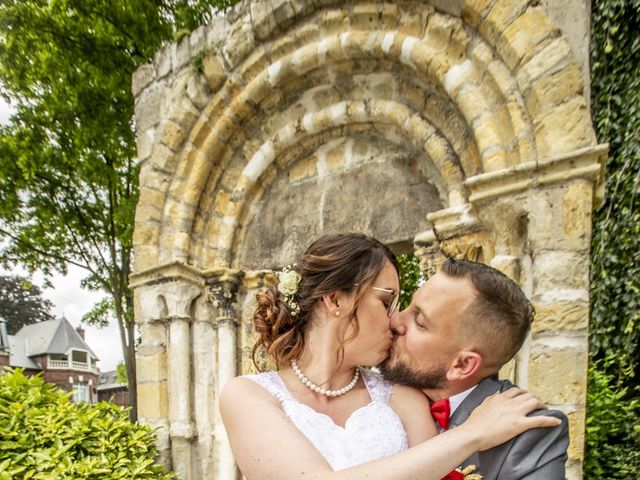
<point>612,446</point>
<point>410,277</point>
<point>45,436</point>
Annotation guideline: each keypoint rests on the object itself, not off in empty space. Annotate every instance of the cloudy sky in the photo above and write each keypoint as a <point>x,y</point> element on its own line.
<point>73,302</point>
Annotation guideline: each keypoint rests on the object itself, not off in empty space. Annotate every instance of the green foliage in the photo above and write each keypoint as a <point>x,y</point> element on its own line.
<point>121,373</point>
<point>21,303</point>
<point>612,439</point>
<point>43,435</point>
<point>613,431</point>
<point>410,277</point>
<point>68,173</point>
<point>616,241</point>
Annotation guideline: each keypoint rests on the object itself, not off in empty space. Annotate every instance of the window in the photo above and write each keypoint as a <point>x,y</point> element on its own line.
<point>80,392</point>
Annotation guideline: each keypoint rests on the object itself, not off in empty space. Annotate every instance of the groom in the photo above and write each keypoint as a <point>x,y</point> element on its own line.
<point>462,326</point>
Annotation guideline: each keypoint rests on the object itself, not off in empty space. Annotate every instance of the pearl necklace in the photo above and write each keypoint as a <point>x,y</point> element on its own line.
<point>323,391</point>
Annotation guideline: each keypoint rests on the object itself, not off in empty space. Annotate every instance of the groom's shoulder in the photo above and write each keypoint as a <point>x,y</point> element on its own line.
<point>491,385</point>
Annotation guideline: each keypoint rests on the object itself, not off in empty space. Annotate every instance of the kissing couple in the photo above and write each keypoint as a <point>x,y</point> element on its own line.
<point>323,415</point>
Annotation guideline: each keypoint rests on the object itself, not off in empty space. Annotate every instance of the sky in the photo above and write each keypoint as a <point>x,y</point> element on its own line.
<point>70,300</point>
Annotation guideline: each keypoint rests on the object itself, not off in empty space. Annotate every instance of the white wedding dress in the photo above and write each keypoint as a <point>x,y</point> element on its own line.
<point>371,432</point>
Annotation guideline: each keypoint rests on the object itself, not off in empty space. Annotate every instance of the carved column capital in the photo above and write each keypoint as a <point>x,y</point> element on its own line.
<point>427,249</point>
<point>222,287</point>
<point>476,246</point>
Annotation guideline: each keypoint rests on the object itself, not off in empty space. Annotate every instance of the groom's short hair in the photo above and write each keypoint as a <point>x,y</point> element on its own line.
<point>499,317</point>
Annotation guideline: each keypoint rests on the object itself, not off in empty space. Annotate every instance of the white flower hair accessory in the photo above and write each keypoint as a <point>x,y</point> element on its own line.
<point>289,280</point>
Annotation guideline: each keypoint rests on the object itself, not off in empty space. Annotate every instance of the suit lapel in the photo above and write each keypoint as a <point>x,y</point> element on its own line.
<point>482,460</point>
<point>486,387</point>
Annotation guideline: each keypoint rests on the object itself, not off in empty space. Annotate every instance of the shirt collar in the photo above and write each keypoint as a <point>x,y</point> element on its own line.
<point>456,400</point>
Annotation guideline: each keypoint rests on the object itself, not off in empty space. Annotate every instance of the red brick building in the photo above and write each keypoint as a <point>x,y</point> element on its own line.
<point>110,390</point>
<point>57,350</point>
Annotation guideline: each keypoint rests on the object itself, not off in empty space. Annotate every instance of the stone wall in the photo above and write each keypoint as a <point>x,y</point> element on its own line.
<point>448,127</point>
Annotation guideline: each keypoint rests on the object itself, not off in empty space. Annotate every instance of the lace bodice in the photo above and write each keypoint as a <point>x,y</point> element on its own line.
<point>371,432</point>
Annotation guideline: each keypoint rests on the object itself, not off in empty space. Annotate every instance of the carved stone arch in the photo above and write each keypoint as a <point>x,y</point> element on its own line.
<point>480,105</point>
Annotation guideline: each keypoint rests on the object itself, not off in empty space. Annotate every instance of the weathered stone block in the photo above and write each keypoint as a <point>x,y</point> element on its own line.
<point>144,143</point>
<point>565,129</point>
<point>554,89</point>
<point>172,135</point>
<point>567,316</point>
<point>152,400</point>
<point>474,11</point>
<point>550,59</point>
<point>162,61</point>
<point>576,434</point>
<point>577,205</point>
<point>501,15</point>
<point>180,53</point>
<point>560,269</point>
<point>240,42</point>
<point>213,72</point>
<point>558,375</point>
<point>152,368</point>
<point>142,77</point>
<point>198,91</point>
<point>163,158</point>
<point>303,169</point>
<point>198,39</point>
<point>510,266</point>
<point>147,107</point>
<point>154,329</point>
<point>519,40</point>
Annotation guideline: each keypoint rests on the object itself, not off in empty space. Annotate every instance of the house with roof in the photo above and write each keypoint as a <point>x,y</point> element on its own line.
<point>58,351</point>
<point>111,390</point>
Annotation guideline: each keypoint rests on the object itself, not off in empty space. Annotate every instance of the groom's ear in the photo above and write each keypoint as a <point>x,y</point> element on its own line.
<point>466,364</point>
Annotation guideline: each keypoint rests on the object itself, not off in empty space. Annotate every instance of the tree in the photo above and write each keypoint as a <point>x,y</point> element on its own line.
<point>21,303</point>
<point>68,175</point>
<point>121,373</point>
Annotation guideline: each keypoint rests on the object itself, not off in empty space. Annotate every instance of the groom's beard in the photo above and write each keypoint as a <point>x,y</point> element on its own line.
<point>435,378</point>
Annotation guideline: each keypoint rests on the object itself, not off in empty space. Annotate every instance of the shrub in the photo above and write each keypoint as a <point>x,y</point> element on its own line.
<point>613,432</point>
<point>45,436</point>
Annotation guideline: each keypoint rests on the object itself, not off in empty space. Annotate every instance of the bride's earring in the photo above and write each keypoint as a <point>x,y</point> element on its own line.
<point>337,313</point>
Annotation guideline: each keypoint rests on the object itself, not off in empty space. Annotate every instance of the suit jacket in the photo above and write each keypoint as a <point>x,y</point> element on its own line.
<point>537,454</point>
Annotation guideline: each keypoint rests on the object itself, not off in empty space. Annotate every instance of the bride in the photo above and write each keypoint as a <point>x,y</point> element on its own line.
<point>322,416</point>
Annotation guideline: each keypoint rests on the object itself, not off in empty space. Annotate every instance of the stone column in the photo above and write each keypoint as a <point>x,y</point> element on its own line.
<point>151,364</point>
<point>204,338</point>
<point>180,296</point>
<point>164,298</point>
<point>222,289</point>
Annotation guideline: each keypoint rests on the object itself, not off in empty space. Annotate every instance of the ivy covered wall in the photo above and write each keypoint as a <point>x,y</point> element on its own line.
<point>613,430</point>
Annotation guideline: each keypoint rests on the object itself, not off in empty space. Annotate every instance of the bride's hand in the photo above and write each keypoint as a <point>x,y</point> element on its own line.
<point>500,417</point>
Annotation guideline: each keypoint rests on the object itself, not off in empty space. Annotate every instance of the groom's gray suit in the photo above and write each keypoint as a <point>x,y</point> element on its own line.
<point>537,454</point>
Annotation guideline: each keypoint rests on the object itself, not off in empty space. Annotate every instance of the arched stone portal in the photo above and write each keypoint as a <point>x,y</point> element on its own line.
<point>455,127</point>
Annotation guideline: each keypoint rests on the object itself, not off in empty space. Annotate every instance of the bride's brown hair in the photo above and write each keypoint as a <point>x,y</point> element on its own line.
<point>346,262</point>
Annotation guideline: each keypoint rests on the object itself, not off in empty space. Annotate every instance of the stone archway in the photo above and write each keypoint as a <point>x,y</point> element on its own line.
<point>465,130</point>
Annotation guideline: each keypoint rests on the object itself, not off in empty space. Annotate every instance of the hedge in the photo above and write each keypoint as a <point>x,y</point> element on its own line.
<point>46,436</point>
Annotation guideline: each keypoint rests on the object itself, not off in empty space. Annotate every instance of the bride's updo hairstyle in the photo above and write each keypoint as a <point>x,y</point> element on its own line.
<point>342,262</point>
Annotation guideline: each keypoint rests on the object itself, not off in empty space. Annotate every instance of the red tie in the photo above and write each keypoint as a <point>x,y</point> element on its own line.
<point>440,411</point>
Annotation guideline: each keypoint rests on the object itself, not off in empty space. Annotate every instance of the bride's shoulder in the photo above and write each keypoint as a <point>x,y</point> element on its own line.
<point>239,389</point>
<point>401,394</point>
